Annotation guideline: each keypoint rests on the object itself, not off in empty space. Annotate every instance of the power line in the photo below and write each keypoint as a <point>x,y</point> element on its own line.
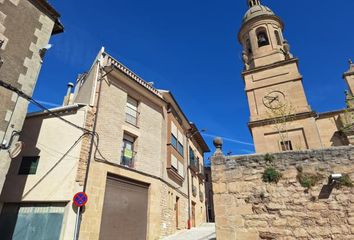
<point>30,99</point>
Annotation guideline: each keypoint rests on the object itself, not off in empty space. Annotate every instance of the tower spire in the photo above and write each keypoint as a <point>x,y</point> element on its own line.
<point>252,3</point>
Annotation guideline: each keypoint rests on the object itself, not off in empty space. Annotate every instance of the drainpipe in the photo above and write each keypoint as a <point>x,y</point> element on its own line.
<point>319,135</point>
<point>189,195</point>
<point>318,131</point>
<point>189,137</point>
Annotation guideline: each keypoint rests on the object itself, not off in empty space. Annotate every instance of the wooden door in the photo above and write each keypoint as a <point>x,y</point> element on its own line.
<point>177,211</point>
<point>193,214</point>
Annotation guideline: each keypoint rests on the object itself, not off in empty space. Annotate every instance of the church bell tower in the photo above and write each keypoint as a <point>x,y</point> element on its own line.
<point>273,85</point>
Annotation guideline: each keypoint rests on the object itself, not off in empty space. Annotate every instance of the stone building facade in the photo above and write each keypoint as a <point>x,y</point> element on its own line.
<point>281,118</point>
<point>143,170</point>
<point>41,181</point>
<point>25,29</point>
<point>247,207</point>
<point>209,194</point>
<point>148,153</point>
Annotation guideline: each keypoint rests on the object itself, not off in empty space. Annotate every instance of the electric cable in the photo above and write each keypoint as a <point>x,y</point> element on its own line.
<point>55,165</point>
<point>30,99</point>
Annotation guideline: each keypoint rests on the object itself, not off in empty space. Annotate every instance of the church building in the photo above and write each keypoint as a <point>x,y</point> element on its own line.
<point>281,119</point>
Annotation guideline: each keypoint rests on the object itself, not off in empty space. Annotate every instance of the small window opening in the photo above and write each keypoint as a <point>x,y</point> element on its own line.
<point>262,38</point>
<point>277,36</point>
<point>29,165</point>
<point>249,46</point>
<point>286,146</point>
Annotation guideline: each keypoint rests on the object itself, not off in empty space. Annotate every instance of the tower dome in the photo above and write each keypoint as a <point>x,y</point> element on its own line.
<point>261,36</point>
<point>257,10</point>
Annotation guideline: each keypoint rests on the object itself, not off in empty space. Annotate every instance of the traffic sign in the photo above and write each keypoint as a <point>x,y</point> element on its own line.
<point>80,199</point>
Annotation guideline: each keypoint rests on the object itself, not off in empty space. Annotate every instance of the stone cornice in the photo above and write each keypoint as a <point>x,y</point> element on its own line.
<point>292,117</point>
<point>49,10</point>
<point>269,66</point>
<point>132,75</point>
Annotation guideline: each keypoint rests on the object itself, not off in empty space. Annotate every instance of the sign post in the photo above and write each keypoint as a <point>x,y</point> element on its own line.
<point>80,199</point>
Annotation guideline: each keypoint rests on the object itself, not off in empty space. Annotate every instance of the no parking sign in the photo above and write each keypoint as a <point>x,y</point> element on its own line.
<point>80,199</point>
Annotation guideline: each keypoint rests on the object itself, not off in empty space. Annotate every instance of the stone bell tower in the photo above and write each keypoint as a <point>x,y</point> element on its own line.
<point>273,85</point>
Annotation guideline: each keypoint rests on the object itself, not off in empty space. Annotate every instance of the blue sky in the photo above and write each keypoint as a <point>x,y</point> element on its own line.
<point>191,48</point>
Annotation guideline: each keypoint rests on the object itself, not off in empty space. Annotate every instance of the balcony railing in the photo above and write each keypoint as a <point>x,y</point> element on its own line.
<point>194,164</point>
<point>194,191</point>
<point>201,196</point>
<point>131,116</point>
<point>201,172</point>
<point>128,158</point>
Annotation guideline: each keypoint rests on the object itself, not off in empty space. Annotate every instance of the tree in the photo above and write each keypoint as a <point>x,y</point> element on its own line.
<point>281,117</point>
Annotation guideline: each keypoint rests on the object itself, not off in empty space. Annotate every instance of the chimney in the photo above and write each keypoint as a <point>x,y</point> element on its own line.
<point>68,97</point>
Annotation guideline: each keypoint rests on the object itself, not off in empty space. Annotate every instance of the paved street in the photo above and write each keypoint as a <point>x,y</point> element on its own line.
<point>204,232</point>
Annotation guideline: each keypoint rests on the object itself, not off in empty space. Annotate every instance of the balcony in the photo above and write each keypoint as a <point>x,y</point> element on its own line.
<point>127,159</point>
<point>194,191</point>
<point>194,164</point>
<point>131,116</point>
<point>201,172</point>
<point>201,196</point>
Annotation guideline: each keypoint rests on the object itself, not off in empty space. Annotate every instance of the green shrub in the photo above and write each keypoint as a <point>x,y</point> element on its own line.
<point>269,158</point>
<point>271,175</point>
<point>308,180</point>
<point>344,181</point>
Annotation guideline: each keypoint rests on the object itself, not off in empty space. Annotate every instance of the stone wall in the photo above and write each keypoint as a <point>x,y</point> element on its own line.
<point>25,29</point>
<point>248,208</point>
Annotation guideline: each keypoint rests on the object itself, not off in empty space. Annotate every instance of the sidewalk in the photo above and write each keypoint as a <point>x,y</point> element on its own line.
<point>204,232</point>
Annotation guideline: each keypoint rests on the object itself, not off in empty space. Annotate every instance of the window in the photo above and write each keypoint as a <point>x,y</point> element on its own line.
<point>29,165</point>
<point>177,139</point>
<point>286,146</point>
<point>177,165</point>
<point>128,151</point>
<point>277,36</point>
<point>249,46</point>
<point>192,159</point>
<point>131,113</point>
<point>262,37</point>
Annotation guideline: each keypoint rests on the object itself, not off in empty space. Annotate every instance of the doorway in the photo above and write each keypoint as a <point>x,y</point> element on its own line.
<point>124,209</point>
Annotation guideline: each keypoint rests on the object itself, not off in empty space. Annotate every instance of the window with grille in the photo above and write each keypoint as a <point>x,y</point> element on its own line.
<point>128,152</point>
<point>131,112</point>
<point>286,146</point>
<point>29,165</point>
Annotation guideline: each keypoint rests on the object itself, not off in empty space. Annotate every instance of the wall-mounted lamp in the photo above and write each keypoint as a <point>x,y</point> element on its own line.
<point>334,178</point>
<point>6,146</point>
<point>44,50</point>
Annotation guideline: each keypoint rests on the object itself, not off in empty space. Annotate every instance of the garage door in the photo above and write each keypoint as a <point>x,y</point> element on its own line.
<point>40,221</point>
<point>125,210</point>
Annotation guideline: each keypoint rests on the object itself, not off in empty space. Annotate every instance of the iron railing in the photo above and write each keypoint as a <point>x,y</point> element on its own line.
<point>201,196</point>
<point>194,191</point>
<point>128,158</point>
